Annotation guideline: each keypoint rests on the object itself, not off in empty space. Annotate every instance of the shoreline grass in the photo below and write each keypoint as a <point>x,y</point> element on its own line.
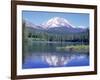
<point>76,48</point>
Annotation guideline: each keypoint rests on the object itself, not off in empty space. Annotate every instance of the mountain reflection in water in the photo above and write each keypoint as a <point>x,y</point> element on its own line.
<point>45,60</point>
<point>55,60</point>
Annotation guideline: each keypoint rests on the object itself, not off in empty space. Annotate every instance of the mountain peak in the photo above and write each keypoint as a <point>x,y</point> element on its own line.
<point>57,22</point>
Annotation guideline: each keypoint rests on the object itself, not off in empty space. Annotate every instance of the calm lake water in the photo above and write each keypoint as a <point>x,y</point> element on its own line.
<point>40,54</point>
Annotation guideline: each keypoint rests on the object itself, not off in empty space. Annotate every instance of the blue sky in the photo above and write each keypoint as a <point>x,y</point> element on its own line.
<point>76,19</point>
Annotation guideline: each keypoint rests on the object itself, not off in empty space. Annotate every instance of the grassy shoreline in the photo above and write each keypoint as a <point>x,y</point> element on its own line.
<point>76,48</point>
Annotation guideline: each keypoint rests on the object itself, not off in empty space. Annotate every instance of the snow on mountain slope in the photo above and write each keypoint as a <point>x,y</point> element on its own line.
<point>56,22</point>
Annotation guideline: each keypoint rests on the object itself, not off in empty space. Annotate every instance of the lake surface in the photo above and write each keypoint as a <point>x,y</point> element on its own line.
<point>42,54</point>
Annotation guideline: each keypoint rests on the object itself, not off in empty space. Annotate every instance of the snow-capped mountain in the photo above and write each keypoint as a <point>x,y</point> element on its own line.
<point>56,22</point>
<point>55,25</point>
